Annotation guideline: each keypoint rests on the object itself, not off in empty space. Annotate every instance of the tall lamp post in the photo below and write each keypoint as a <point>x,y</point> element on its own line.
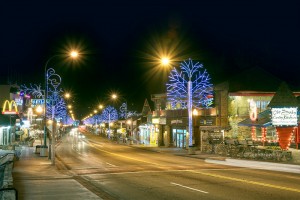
<point>73,54</point>
<point>123,108</point>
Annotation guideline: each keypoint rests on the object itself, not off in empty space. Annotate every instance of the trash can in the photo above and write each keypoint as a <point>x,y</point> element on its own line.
<point>37,149</point>
<point>44,151</point>
<point>192,150</point>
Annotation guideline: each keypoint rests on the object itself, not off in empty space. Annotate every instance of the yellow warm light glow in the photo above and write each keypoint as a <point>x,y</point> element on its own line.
<point>39,109</point>
<point>195,112</point>
<point>74,54</point>
<point>129,122</point>
<point>95,111</point>
<point>67,95</point>
<point>165,61</point>
<point>114,96</point>
<point>69,106</point>
<point>100,106</point>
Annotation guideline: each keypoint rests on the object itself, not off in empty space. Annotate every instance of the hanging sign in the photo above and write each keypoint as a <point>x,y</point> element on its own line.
<point>10,108</point>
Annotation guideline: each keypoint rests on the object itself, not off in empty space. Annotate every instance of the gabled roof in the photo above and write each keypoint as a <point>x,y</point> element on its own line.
<point>254,79</point>
<point>146,108</point>
<point>284,97</point>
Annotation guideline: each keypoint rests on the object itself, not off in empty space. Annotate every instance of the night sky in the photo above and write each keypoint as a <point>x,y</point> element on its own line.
<point>120,43</point>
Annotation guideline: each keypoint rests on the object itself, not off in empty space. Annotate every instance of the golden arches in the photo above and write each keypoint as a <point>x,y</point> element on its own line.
<point>11,104</point>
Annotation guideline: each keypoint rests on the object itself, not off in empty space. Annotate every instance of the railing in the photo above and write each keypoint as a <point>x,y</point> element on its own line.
<point>246,149</point>
<point>6,180</point>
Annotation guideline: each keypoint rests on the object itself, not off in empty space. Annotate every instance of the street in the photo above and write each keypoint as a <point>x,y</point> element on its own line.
<point>118,171</point>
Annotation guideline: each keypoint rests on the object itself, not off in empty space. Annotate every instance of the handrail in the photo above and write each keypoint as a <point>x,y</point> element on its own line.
<point>14,189</point>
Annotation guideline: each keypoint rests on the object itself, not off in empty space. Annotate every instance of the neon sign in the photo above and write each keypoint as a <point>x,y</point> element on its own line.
<point>253,110</point>
<point>9,111</point>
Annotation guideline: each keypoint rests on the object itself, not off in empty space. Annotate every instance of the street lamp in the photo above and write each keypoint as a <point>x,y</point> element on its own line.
<point>73,54</point>
<point>123,108</point>
<point>67,95</point>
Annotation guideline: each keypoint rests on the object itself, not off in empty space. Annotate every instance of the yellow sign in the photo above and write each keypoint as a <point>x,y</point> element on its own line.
<point>12,104</point>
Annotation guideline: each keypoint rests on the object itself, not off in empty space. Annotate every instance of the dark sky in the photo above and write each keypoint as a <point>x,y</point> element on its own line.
<point>119,42</point>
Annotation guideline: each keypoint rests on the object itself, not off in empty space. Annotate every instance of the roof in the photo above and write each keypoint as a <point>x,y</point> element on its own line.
<point>284,97</point>
<point>263,120</point>
<point>254,79</point>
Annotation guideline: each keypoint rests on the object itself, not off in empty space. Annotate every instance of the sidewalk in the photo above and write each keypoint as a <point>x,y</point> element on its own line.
<point>292,166</point>
<point>35,178</point>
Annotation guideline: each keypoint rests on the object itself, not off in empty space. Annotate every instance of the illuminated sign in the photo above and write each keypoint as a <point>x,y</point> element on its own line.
<point>19,101</point>
<point>155,120</point>
<point>8,108</point>
<point>176,121</point>
<point>159,121</point>
<point>37,102</point>
<point>284,116</point>
<point>253,110</point>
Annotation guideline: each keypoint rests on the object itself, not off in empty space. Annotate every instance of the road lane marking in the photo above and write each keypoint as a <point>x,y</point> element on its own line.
<point>152,163</point>
<point>189,188</point>
<point>111,164</point>
<point>248,181</point>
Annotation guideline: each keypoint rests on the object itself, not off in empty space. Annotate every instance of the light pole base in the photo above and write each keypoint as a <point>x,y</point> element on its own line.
<point>192,150</point>
<point>44,151</point>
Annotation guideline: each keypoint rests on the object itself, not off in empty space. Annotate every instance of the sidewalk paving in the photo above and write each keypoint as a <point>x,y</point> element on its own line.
<point>35,178</point>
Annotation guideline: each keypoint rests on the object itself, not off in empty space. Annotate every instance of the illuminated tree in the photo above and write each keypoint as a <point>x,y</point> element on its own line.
<point>34,90</point>
<point>109,115</point>
<point>56,105</point>
<point>189,87</point>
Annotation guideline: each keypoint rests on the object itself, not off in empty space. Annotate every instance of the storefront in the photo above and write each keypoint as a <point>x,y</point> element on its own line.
<point>179,136</point>
<point>280,123</point>
<point>145,134</point>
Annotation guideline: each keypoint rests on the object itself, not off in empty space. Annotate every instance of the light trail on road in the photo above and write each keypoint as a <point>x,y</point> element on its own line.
<point>246,181</point>
<point>115,154</point>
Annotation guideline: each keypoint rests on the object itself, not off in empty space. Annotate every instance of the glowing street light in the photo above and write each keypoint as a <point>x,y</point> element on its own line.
<point>39,109</point>
<point>67,95</point>
<point>165,61</point>
<point>74,54</point>
<point>123,107</point>
<point>48,72</point>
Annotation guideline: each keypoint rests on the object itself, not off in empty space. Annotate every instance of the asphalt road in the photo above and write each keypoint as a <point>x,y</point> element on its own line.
<point>118,171</point>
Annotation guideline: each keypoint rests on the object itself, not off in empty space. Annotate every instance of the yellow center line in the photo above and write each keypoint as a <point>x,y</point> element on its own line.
<point>247,181</point>
<point>108,152</point>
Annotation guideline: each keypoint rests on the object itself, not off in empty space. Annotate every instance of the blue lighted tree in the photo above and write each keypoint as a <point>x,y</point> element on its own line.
<point>56,105</point>
<point>109,114</point>
<point>189,87</point>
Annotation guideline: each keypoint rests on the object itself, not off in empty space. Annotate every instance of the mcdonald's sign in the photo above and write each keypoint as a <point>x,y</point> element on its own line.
<point>10,107</point>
